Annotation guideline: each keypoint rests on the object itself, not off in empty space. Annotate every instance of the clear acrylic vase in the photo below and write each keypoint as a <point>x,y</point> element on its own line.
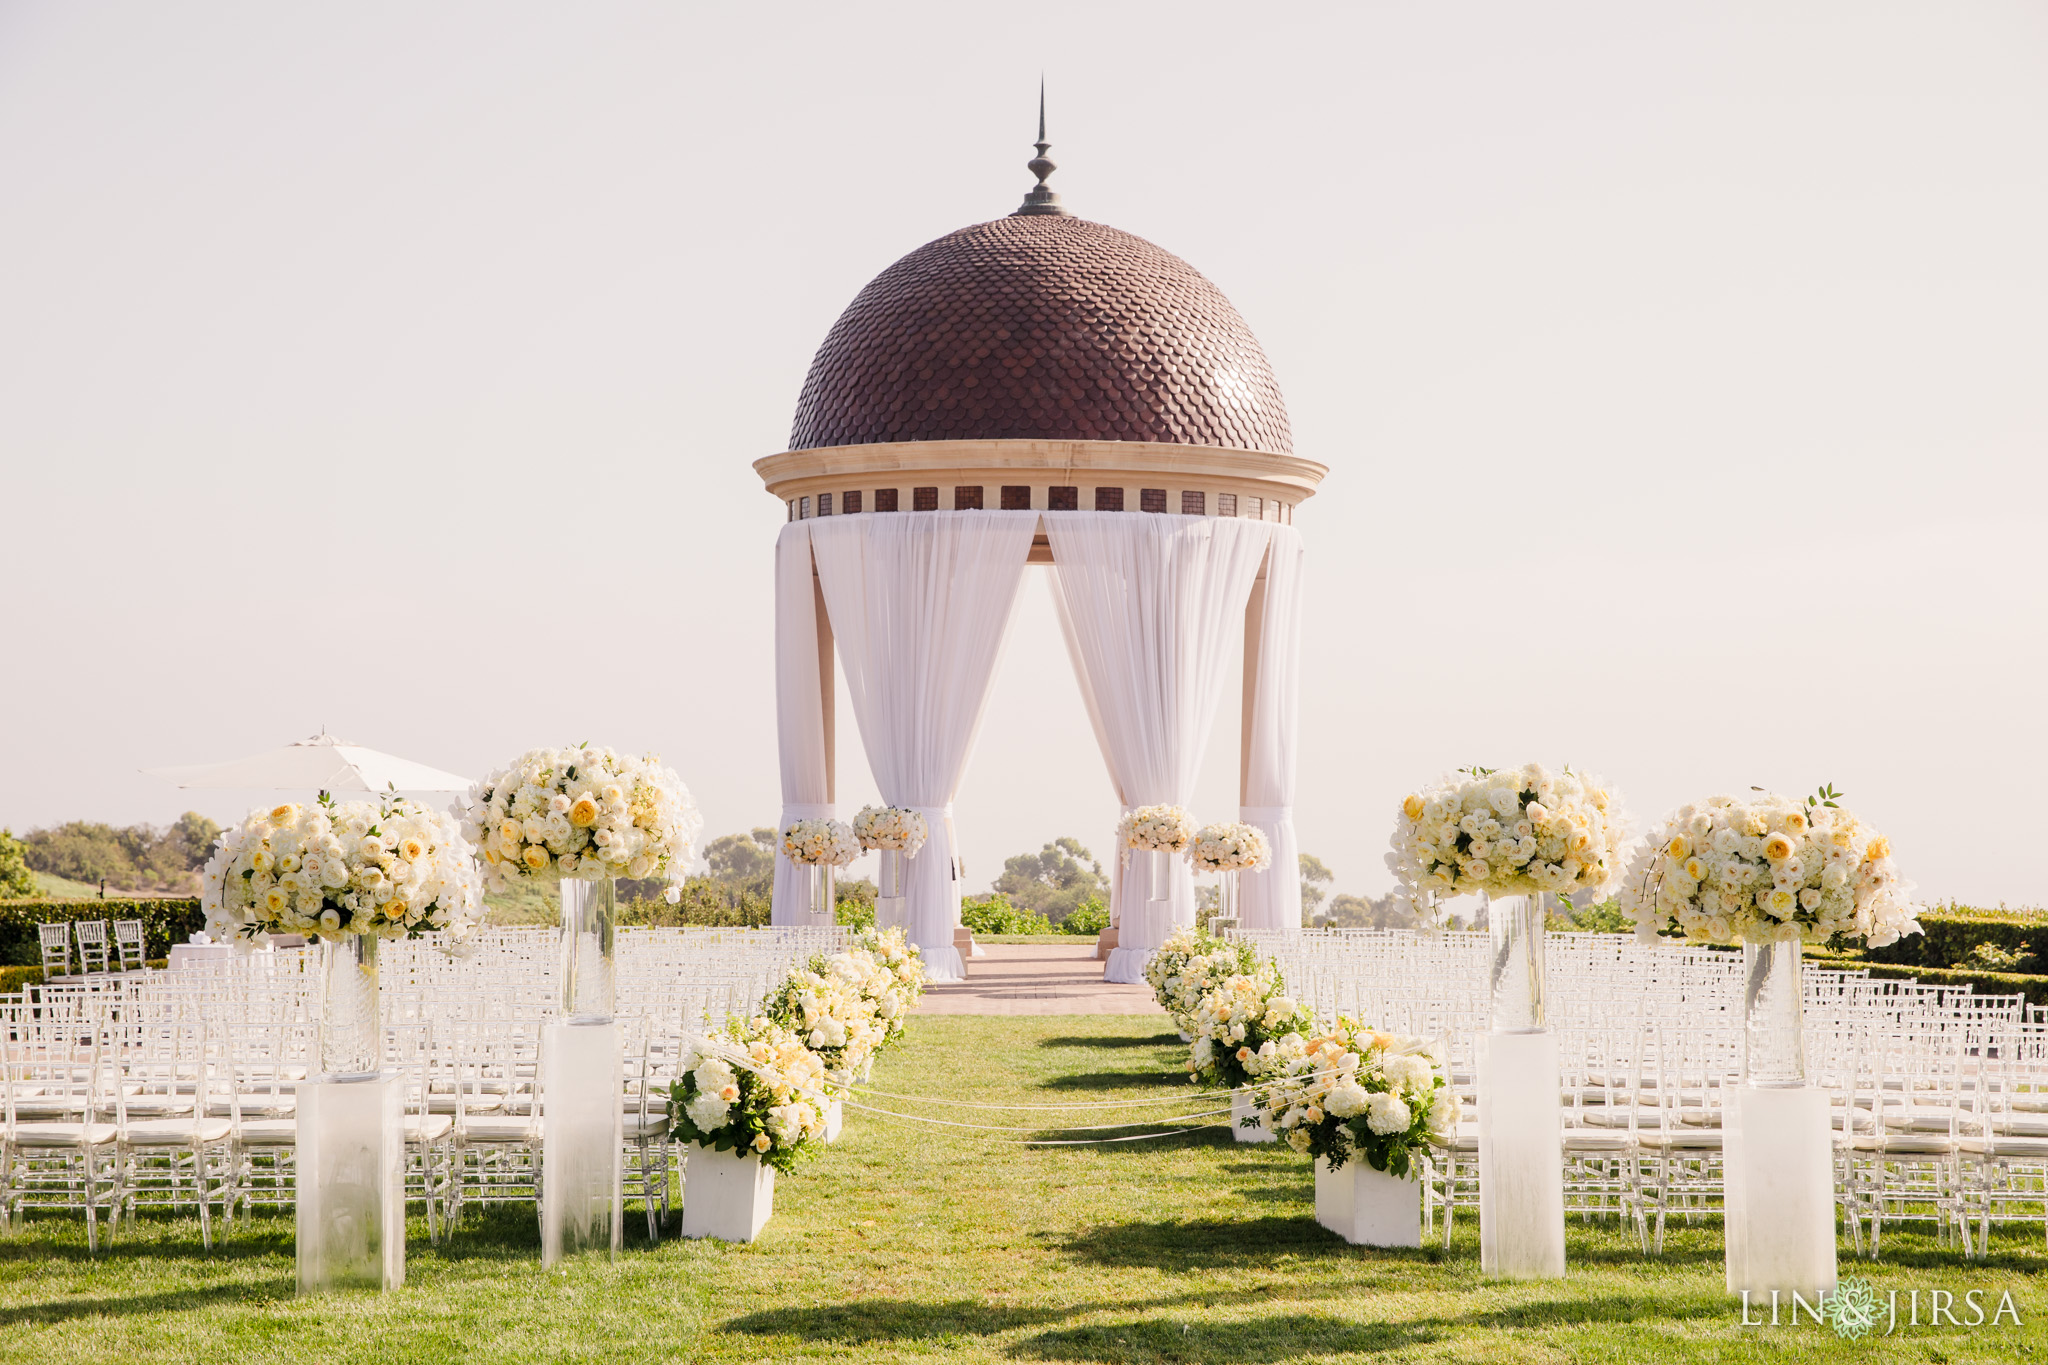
<point>823,911</point>
<point>1773,1023</point>
<point>890,879</point>
<point>1517,976</point>
<point>351,1023</point>
<point>590,916</point>
<point>1226,900</point>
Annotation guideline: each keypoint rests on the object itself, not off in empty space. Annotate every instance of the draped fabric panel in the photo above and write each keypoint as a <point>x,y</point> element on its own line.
<point>799,712</point>
<point>1272,899</point>
<point>1148,605</point>
<point>920,606</point>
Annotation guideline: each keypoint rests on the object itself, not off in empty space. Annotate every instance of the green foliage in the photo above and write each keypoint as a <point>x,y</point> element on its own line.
<point>995,915</point>
<point>1604,917</point>
<point>1954,933</point>
<point>1365,912</point>
<point>705,900</point>
<point>742,857</point>
<point>1993,958</point>
<point>1054,881</point>
<point>164,922</point>
<point>17,878</point>
<point>131,856</point>
<point>853,903</point>
<point>1090,917</point>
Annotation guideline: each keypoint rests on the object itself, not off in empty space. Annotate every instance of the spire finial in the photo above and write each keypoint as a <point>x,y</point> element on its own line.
<point>1040,199</point>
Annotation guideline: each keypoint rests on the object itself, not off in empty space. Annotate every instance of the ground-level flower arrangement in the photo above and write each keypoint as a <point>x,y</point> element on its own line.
<point>755,1088</point>
<point>585,812</point>
<point>1508,832</point>
<point>384,867</point>
<point>1239,1023</point>
<point>891,828</point>
<point>760,1085</point>
<point>1182,970</point>
<point>1230,847</point>
<point>1348,1091</point>
<point>1769,869</point>
<point>830,842</point>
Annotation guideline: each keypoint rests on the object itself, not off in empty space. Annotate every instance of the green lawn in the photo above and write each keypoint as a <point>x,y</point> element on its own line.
<point>903,1242</point>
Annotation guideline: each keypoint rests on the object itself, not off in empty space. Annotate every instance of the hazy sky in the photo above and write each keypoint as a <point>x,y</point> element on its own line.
<point>399,368</point>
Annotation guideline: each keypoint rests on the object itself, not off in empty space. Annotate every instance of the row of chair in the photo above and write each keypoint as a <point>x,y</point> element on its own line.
<point>95,952</point>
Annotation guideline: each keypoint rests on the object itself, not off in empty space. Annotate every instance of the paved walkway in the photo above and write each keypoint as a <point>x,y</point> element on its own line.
<point>1036,978</point>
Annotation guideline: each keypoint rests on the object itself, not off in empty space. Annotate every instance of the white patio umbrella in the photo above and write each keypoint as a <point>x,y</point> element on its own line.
<point>322,763</point>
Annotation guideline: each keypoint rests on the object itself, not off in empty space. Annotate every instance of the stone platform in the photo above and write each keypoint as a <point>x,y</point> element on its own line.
<point>1037,978</point>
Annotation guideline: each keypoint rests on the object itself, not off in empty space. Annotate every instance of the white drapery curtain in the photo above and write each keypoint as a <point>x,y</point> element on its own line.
<point>920,606</point>
<point>799,713</point>
<point>1148,605</point>
<point>1272,899</point>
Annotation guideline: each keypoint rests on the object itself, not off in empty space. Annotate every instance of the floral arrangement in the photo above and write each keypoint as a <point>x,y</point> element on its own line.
<point>586,813</point>
<point>755,1087</point>
<point>820,841</point>
<point>1239,1024</point>
<point>1768,869</point>
<point>891,827</point>
<point>848,1006</point>
<point>1350,1091</point>
<point>1230,847</point>
<point>386,867</point>
<point>1508,832</point>
<point>1157,829</point>
<point>1183,970</point>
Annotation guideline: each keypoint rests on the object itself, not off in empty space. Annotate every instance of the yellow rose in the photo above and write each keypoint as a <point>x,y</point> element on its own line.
<point>414,849</point>
<point>1880,847</point>
<point>536,857</point>
<point>1412,807</point>
<point>583,813</point>
<point>1680,847</point>
<point>393,911</point>
<point>1778,847</point>
<point>284,815</point>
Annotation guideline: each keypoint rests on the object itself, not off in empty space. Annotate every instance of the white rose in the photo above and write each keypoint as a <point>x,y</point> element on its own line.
<point>1386,1113</point>
<point>1345,1099</point>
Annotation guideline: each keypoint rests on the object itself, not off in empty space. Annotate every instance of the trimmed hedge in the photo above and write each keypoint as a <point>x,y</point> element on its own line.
<point>2034,988</point>
<point>165,920</point>
<point>1954,931</point>
<point>14,978</point>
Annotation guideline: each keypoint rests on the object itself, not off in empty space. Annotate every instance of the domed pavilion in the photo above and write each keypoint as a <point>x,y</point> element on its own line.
<point>1040,389</point>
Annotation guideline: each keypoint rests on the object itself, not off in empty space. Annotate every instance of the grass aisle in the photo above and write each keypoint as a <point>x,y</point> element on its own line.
<point>903,1243</point>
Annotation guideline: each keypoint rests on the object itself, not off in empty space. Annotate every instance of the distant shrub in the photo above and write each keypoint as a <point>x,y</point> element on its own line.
<point>995,915</point>
<point>1090,917</point>
<point>164,922</point>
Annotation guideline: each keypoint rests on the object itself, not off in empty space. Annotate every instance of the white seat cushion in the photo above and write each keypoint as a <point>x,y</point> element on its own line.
<point>60,1135</point>
<point>178,1132</point>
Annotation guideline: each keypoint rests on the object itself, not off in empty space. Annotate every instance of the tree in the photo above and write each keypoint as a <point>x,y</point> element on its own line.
<point>1053,881</point>
<point>17,878</point>
<point>742,857</point>
<point>190,840</point>
<point>1313,874</point>
<point>83,851</point>
<point>1367,912</point>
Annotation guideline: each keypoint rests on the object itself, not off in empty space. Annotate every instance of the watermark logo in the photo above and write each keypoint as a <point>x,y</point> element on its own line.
<point>1856,1308</point>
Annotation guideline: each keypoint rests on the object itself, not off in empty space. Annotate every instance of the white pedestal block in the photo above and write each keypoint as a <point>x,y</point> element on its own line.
<point>835,1119</point>
<point>582,1143</point>
<point>725,1196</point>
<point>1367,1207</point>
<point>1241,1108</point>
<point>1779,1228</point>
<point>351,1184</point>
<point>1521,1157</point>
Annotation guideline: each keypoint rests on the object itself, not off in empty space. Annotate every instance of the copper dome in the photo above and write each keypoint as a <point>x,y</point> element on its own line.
<point>1041,326</point>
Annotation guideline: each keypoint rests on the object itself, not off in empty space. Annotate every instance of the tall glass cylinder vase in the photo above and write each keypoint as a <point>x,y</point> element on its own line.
<point>1517,926</point>
<point>1773,1024</point>
<point>890,878</point>
<point>1226,896</point>
<point>1159,874</point>
<point>590,915</point>
<point>351,1018</point>
<point>823,911</point>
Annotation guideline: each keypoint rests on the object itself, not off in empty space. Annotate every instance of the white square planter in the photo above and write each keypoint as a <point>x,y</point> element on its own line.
<point>726,1196</point>
<point>835,1119</point>
<point>1366,1207</point>
<point>1241,1108</point>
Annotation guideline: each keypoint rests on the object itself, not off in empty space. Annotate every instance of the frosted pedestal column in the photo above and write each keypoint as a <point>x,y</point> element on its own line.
<point>1367,1207</point>
<point>1242,1108</point>
<point>726,1196</point>
<point>351,1184</point>
<point>582,1143</point>
<point>1521,1147</point>
<point>889,898</point>
<point>835,1120</point>
<point>1778,1148</point>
